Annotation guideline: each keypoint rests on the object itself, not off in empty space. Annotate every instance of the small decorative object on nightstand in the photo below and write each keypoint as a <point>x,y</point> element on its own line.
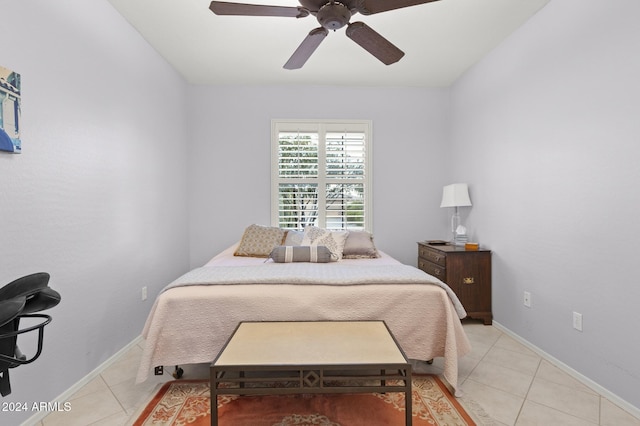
<point>467,272</point>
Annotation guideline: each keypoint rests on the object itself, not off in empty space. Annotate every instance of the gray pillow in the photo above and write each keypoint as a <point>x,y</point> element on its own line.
<point>359,245</point>
<point>287,254</point>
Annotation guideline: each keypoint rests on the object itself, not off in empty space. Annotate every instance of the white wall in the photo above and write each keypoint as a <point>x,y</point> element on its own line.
<point>546,131</point>
<point>98,196</point>
<point>229,159</point>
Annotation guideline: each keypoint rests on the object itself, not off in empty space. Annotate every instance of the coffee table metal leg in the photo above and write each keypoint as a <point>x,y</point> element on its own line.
<point>213,391</point>
<point>409,418</point>
<point>214,410</point>
<point>408,398</point>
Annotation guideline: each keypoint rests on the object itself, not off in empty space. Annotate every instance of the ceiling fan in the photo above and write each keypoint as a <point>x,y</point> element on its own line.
<point>331,15</point>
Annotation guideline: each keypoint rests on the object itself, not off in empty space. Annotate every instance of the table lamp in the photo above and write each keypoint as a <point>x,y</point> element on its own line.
<point>455,195</point>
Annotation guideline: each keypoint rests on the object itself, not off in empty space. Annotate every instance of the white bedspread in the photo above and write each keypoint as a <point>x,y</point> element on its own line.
<point>191,319</point>
<point>313,274</point>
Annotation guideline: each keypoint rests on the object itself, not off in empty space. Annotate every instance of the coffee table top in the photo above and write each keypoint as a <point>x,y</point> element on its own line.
<point>311,343</point>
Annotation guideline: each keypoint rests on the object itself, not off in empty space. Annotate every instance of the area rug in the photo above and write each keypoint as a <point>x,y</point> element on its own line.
<point>187,402</point>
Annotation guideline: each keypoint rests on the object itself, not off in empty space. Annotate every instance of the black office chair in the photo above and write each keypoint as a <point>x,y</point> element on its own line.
<point>20,299</point>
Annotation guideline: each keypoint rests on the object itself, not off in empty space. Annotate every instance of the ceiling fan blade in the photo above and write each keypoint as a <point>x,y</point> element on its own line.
<point>306,48</point>
<point>226,8</point>
<point>374,43</point>
<point>369,7</point>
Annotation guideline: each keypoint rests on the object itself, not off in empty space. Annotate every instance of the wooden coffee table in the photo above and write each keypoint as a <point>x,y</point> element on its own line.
<point>315,357</point>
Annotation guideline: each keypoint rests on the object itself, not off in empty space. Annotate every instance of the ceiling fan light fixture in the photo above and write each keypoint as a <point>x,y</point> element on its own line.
<point>333,15</point>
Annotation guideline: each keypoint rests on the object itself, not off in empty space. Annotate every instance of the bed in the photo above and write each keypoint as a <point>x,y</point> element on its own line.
<point>193,317</point>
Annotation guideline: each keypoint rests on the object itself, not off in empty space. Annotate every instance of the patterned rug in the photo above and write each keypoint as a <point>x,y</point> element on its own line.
<point>187,402</point>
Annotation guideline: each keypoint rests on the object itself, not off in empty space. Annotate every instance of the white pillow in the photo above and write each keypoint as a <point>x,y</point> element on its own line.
<point>333,240</point>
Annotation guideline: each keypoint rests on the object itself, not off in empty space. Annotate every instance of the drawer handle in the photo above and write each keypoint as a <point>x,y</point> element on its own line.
<point>468,280</point>
<point>435,257</point>
<point>437,271</point>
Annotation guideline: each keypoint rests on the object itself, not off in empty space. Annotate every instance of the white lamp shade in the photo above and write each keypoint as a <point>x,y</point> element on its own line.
<point>455,195</point>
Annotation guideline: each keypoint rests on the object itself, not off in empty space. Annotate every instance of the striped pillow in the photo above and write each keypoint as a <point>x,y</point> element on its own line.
<point>313,254</point>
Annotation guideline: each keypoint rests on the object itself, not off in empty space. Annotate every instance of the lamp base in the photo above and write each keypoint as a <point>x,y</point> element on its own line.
<point>460,240</point>
<point>455,222</point>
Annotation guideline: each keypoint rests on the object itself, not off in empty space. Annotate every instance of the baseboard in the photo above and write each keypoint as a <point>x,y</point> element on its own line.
<point>628,407</point>
<point>63,397</point>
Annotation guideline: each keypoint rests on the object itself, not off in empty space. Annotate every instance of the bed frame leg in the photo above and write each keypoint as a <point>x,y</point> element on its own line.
<point>178,372</point>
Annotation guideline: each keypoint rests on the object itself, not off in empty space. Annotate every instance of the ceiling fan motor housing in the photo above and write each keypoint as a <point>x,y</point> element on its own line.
<point>334,15</point>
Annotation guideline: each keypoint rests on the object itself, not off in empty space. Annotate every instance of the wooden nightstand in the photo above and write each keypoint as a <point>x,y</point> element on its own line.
<point>467,272</point>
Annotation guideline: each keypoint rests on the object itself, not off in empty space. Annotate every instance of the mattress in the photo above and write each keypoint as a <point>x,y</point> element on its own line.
<point>192,319</point>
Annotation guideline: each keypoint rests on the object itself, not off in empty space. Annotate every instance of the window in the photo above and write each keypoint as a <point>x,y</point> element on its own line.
<point>321,174</point>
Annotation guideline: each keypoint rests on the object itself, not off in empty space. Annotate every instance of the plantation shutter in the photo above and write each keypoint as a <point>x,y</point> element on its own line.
<point>320,174</point>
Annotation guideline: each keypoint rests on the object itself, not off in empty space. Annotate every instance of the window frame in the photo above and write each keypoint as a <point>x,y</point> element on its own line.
<point>322,127</point>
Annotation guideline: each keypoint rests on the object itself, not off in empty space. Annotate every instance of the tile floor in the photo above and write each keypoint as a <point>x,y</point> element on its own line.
<point>512,383</point>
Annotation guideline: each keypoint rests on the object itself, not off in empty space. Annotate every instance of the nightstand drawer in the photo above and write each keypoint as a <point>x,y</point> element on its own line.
<point>431,255</point>
<point>466,272</point>
<point>432,269</point>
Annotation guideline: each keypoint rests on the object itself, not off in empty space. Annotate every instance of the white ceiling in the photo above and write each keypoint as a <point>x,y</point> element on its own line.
<point>441,40</point>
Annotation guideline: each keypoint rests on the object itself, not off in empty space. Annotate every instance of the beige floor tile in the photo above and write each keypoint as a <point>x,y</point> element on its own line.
<point>86,410</point>
<point>481,337</point>
<point>612,415</point>
<point>508,342</point>
<point>521,362</point>
<point>576,403</point>
<point>466,365</point>
<point>553,374</point>
<point>95,385</point>
<point>534,414</point>
<point>502,378</point>
<point>130,395</point>
<point>119,419</point>
<point>502,406</point>
<point>479,347</point>
<point>487,333</point>
<point>124,368</point>
<point>135,350</point>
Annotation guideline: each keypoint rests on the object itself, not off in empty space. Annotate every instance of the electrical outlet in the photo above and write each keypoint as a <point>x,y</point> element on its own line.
<point>144,293</point>
<point>577,321</point>
<point>527,299</point>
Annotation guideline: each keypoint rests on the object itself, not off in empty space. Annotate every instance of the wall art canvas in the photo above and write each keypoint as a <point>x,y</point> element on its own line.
<point>10,111</point>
